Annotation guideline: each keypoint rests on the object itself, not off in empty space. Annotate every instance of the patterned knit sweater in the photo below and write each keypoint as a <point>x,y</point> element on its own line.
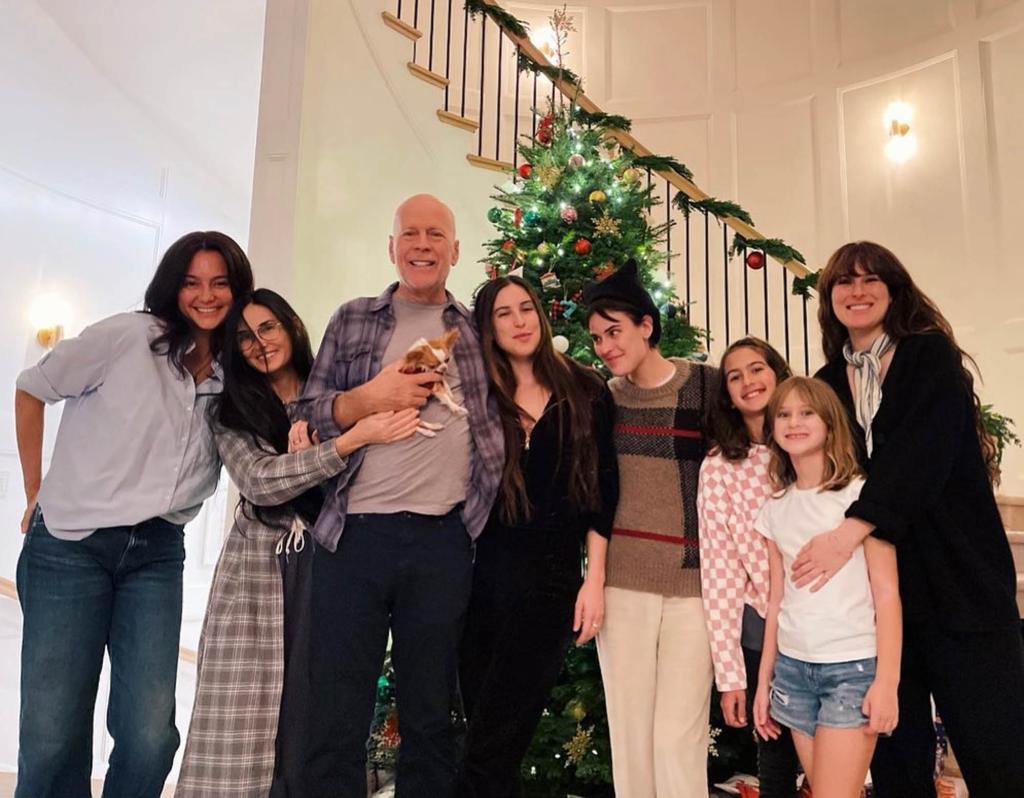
<point>660,443</point>
<point>733,555</point>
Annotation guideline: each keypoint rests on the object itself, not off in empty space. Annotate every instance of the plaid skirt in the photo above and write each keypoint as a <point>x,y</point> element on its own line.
<point>250,709</point>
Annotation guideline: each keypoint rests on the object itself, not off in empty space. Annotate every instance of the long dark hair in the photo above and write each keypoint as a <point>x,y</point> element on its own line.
<point>563,378</point>
<point>725,423</point>
<point>161,298</point>
<point>249,405</point>
<point>910,312</point>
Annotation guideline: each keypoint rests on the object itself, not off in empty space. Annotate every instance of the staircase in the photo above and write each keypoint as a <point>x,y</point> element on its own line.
<point>471,64</point>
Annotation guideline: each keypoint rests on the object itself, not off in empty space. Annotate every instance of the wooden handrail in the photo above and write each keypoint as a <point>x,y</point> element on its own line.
<point>576,95</point>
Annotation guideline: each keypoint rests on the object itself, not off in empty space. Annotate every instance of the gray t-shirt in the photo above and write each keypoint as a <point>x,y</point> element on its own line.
<point>420,474</point>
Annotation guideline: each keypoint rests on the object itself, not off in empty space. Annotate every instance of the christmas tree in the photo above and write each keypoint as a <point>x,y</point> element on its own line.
<point>577,208</point>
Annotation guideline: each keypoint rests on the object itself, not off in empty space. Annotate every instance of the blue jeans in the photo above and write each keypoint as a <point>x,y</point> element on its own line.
<point>118,589</point>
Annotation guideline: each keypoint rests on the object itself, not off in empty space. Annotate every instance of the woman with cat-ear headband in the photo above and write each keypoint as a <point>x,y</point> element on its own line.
<point>558,493</point>
<point>247,735</point>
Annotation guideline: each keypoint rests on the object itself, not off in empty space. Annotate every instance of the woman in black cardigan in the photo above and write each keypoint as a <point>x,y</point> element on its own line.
<point>894,362</point>
<point>558,492</point>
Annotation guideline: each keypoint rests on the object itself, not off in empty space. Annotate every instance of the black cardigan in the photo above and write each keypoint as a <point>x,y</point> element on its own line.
<point>928,492</point>
<point>547,480</point>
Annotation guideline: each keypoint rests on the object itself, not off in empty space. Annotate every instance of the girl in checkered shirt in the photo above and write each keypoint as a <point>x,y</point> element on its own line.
<point>734,484</point>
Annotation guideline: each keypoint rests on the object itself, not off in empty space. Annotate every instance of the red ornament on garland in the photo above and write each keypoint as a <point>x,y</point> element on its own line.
<point>517,217</point>
<point>755,260</point>
<point>508,245</point>
<point>582,246</point>
<point>524,171</point>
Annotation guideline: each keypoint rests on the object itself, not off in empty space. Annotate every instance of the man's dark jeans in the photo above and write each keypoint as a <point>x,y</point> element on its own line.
<point>410,574</point>
<point>118,589</point>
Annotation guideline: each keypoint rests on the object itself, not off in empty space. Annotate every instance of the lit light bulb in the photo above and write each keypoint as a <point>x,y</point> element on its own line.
<point>901,149</point>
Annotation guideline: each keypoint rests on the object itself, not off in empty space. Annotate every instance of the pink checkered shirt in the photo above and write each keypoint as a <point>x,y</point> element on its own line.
<point>733,556</point>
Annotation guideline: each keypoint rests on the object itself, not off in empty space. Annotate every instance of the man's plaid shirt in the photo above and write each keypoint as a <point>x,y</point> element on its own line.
<point>351,354</point>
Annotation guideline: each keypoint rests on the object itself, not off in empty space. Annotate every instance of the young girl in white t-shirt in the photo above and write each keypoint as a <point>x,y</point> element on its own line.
<point>832,650</point>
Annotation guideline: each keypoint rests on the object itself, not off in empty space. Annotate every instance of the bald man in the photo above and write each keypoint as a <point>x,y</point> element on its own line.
<point>397,528</point>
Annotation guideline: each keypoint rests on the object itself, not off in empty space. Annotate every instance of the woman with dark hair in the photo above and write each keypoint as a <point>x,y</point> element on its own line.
<point>558,493</point>
<point>895,364</point>
<point>101,566</point>
<point>734,485</point>
<point>654,650</point>
<point>247,735</point>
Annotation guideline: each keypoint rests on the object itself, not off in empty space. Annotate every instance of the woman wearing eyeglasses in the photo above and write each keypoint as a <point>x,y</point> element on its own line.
<point>247,735</point>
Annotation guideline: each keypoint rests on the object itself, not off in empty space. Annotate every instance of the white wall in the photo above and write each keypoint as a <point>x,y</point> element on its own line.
<point>125,125</point>
<point>774,103</point>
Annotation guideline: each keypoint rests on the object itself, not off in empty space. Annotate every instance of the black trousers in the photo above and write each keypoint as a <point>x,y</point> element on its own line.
<point>296,697</point>
<point>777,762</point>
<point>518,630</point>
<point>408,574</point>
<point>978,685</point>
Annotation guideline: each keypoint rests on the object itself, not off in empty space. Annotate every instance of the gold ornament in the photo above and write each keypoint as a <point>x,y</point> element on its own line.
<point>548,175</point>
<point>577,710</point>
<point>578,746</point>
<point>632,175</point>
<point>597,196</point>
<point>606,226</point>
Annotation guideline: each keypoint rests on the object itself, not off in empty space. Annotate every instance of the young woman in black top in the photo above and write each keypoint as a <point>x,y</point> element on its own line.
<point>558,491</point>
<point>894,362</point>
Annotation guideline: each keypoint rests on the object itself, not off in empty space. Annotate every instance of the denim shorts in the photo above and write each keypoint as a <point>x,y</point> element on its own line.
<point>805,695</point>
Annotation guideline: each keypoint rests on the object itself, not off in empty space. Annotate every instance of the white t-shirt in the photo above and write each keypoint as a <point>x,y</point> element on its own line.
<point>836,624</point>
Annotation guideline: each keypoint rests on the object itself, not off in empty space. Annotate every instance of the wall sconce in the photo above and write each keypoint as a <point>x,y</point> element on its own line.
<point>902,144</point>
<point>49,314</point>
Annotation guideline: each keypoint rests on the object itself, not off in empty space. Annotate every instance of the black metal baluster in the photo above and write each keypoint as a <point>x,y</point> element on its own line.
<point>448,55</point>
<point>807,353</point>
<point>668,230</point>
<point>483,50</point>
<point>533,114</point>
<point>785,309</point>
<point>707,280</point>
<point>415,24</point>
<point>399,14</point>
<point>497,94</point>
<point>430,47</point>
<point>725,272</point>
<point>687,218</point>
<point>465,52</point>
<point>764,274</point>
<point>746,294</point>
<point>515,121</point>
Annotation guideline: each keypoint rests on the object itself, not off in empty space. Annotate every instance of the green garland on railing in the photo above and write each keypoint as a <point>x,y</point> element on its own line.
<point>550,71</point>
<point>717,207</point>
<point>662,163</point>
<point>499,15</point>
<point>775,247</point>
<point>802,285</point>
<point>601,119</point>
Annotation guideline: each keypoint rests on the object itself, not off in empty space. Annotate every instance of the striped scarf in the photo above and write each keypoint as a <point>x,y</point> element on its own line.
<point>867,382</point>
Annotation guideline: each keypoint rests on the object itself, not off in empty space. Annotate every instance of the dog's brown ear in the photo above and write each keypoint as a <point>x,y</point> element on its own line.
<point>449,338</point>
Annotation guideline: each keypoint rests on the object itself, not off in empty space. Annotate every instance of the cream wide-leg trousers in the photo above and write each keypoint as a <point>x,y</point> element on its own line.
<point>656,665</point>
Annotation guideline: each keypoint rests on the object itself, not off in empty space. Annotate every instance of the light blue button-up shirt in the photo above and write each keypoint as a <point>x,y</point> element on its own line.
<point>134,441</point>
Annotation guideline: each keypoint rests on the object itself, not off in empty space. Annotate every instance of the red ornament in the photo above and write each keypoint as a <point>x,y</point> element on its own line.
<point>544,135</point>
<point>557,308</point>
<point>755,259</point>
<point>582,246</point>
<point>601,272</point>
<point>524,170</point>
<point>517,217</point>
<point>508,245</point>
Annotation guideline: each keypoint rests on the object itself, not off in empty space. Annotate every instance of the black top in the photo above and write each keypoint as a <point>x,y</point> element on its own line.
<point>928,491</point>
<point>547,479</point>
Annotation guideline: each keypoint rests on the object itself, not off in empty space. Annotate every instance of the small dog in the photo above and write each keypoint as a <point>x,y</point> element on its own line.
<point>433,356</point>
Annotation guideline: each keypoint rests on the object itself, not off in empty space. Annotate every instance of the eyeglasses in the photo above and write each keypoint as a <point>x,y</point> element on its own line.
<point>267,332</point>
